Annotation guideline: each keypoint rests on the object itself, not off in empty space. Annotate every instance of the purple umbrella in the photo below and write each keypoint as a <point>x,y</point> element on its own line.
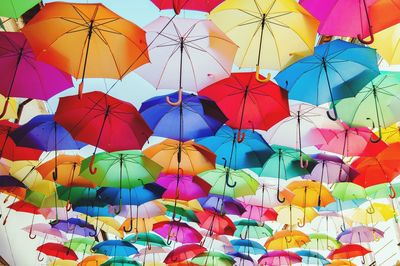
<point>226,204</point>
<point>22,75</point>
<point>75,226</point>
<point>360,234</point>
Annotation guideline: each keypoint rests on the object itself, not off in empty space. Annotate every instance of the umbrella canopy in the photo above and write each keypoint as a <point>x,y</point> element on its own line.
<point>286,239</point>
<point>226,204</point>
<point>252,229</point>
<point>322,242</point>
<point>386,42</point>
<point>248,246</point>
<point>310,194</point>
<point>216,223</point>
<point>15,8</point>
<point>312,257</point>
<point>177,231</point>
<point>347,252</point>
<point>115,248</point>
<point>56,250</point>
<point>360,234</point>
<point>184,253</point>
<point>93,260</point>
<point>178,5</point>
<point>279,257</point>
<point>213,258</point>
<point>146,239</point>
<point>376,212</point>
<point>86,40</point>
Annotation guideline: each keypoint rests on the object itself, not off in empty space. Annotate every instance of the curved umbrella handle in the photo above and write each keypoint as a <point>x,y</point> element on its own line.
<point>335,115</point>
<point>245,235</point>
<point>393,192</point>
<point>303,164</point>
<point>118,211</point>
<point>68,207</point>
<point>80,89</point>
<point>342,228</point>
<point>258,77</point>
<point>92,170</point>
<point>227,181</point>
<point>240,136</point>
<point>379,132</point>
<point>31,236</point>
<point>301,223</point>
<point>279,199</point>
<point>224,159</point>
<point>55,174</point>
<point>56,221</point>
<point>39,258</point>
<point>130,228</point>
<point>370,209</point>
<point>363,260</point>
<point>3,113</point>
<point>370,41</point>
<point>178,102</point>
<point>177,220</point>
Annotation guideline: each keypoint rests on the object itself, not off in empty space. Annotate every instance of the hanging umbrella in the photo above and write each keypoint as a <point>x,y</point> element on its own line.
<point>386,42</point>
<point>46,232</point>
<point>25,171</point>
<point>186,54</point>
<point>375,213</point>
<point>146,239</point>
<point>93,260</point>
<point>115,248</point>
<point>391,134</point>
<point>294,215</point>
<point>86,40</point>
<point>145,224</point>
<point>261,214</point>
<point>262,28</point>
<point>379,93</point>
<point>103,121</point>
<point>177,231</point>
<point>279,257</point>
<point>322,242</point>
<point>107,224</point>
<point>247,103</point>
<point>15,8</point>
<point>326,77</point>
<point>248,246</point>
<point>56,250</point>
<point>347,252</point>
<point>182,214</point>
<point>195,117</point>
<point>120,261</point>
<point>145,210</point>
<point>178,5</point>
<point>213,258</point>
<point>360,234</point>
<point>312,257</point>
<point>216,223</point>
<point>242,259</point>
<point>227,204</point>
<point>23,76</point>
<point>194,158</point>
<point>332,222</point>
<point>156,254</point>
<point>382,191</point>
<point>236,151</point>
<point>286,239</point>
<point>251,229</point>
<point>21,206</point>
<point>187,188</point>
<point>81,244</point>
<point>353,19</point>
<point>184,253</point>
<point>75,226</point>
<point>348,191</point>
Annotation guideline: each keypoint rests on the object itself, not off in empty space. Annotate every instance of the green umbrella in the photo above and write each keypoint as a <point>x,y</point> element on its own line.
<point>123,169</point>
<point>146,239</point>
<point>348,191</point>
<point>187,215</point>
<point>371,105</point>
<point>322,242</point>
<point>15,8</point>
<point>213,258</point>
<point>285,164</point>
<point>245,183</point>
<point>81,244</point>
<point>121,261</point>
<point>77,196</point>
<point>382,191</point>
<point>247,228</point>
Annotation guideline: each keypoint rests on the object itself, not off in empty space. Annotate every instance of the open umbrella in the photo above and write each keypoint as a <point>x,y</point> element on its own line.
<point>312,257</point>
<point>216,223</point>
<point>348,251</point>
<point>336,70</point>
<point>248,246</point>
<point>15,8</point>
<point>251,229</point>
<point>188,188</point>
<point>386,42</point>
<point>178,5</point>
<point>86,40</point>
<point>177,231</point>
<point>183,253</point>
<point>279,257</point>
<point>103,121</point>
<point>213,258</point>
<point>115,248</point>
<point>286,239</point>
<point>186,54</point>
<point>56,250</point>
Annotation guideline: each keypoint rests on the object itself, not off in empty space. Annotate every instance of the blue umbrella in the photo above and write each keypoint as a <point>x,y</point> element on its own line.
<point>336,70</point>
<point>115,248</point>
<point>43,133</point>
<point>312,257</point>
<point>241,257</point>
<point>227,204</point>
<point>195,117</point>
<point>75,226</point>
<point>248,246</point>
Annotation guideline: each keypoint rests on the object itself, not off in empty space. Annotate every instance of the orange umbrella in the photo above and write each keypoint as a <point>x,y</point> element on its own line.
<point>69,167</point>
<point>341,263</point>
<point>190,157</point>
<point>93,260</point>
<point>86,40</point>
<point>286,239</point>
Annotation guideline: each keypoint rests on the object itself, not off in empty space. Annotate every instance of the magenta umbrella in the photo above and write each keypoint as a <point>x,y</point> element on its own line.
<point>183,187</point>
<point>23,76</point>
<point>177,231</point>
<point>279,257</point>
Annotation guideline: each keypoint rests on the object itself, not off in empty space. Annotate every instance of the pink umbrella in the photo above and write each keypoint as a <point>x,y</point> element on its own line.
<point>22,75</point>
<point>183,187</point>
<point>261,214</point>
<point>147,210</point>
<point>46,231</point>
<point>279,257</point>
<point>177,231</point>
<point>360,234</point>
<point>350,141</point>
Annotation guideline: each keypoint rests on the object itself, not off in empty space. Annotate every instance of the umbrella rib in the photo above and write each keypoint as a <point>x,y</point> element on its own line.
<point>166,64</point>
<point>249,43</point>
<point>192,66</point>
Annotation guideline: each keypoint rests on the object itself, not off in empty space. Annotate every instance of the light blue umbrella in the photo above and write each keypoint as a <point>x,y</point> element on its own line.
<point>248,246</point>
<point>312,258</point>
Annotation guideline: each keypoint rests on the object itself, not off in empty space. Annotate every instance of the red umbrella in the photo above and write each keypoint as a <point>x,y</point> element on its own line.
<point>9,150</point>
<point>214,222</point>
<point>56,250</point>
<point>183,253</point>
<point>103,121</point>
<point>248,103</point>
<point>178,5</point>
<point>348,252</point>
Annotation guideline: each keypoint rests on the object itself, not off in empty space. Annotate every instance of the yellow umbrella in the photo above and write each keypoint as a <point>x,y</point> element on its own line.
<point>11,112</point>
<point>286,239</point>
<point>94,260</point>
<point>293,215</point>
<point>59,262</point>
<point>262,28</point>
<point>387,42</point>
<point>25,171</point>
<point>391,134</point>
<point>43,194</point>
<point>107,224</point>
<point>143,224</point>
<point>376,212</point>
<point>309,193</point>
<point>341,263</point>
<point>193,205</point>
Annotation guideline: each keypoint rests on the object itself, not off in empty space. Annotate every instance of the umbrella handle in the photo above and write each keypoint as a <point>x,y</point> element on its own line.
<point>5,220</point>
<point>31,236</point>
<point>258,77</point>
<point>227,181</point>
<point>303,163</point>
<point>3,113</point>
<point>393,193</point>
<point>379,132</point>
<point>91,169</point>
<point>370,209</point>
<point>68,207</point>
<point>55,174</point>
<point>342,228</point>
<point>240,136</point>
<point>301,222</point>
<point>177,220</point>
<point>178,102</point>
<point>335,116</point>
<point>279,199</point>
<point>118,211</point>
<point>39,258</point>
<point>148,246</point>
<point>370,41</point>
<point>130,229</point>
<point>363,260</point>
<point>245,235</point>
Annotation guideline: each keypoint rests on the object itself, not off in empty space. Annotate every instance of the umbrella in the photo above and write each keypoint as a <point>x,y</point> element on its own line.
<point>241,259</point>
<point>386,42</point>
<point>146,239</point>
<point>294,215</point>
<point>81,244</point>
<point>353,19</point>
<point>286,239</point>
<point>319,241</point>
<point>103,121</point>
<point>115,248</point>
<point>391,134</point>
<point>43,133</point>
<point>194,158</point>
<point>182,214</point>
<point>46,232</point>
<point>360,234</point>
<point>107,224</point>
<point>86,40</point>
<point>93,260</point>
<point>21,206</point>
<point>216,223</point>
<point>186,54</point>
<point>312,257</point>
<point>177,231</point>
<point>248,246</point>
<point>325,76</point>
<point>184,253</point>
<point>279,257</point>
<point>76,227</point>
<point>260,105</point>
<point>375,213</point>
<point>379,93</point>
<point>251,229</point>
<point>120,261</point>
<point>213,258</point>
<point>56,250</point>
<point>15,8</point>
<point>262,28</point>
<point>261,214</point>
<point>347,252</point>
<point>23,75</point>
<point>178,5</point>
<point>227,204</point>
<point>195,117</point>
